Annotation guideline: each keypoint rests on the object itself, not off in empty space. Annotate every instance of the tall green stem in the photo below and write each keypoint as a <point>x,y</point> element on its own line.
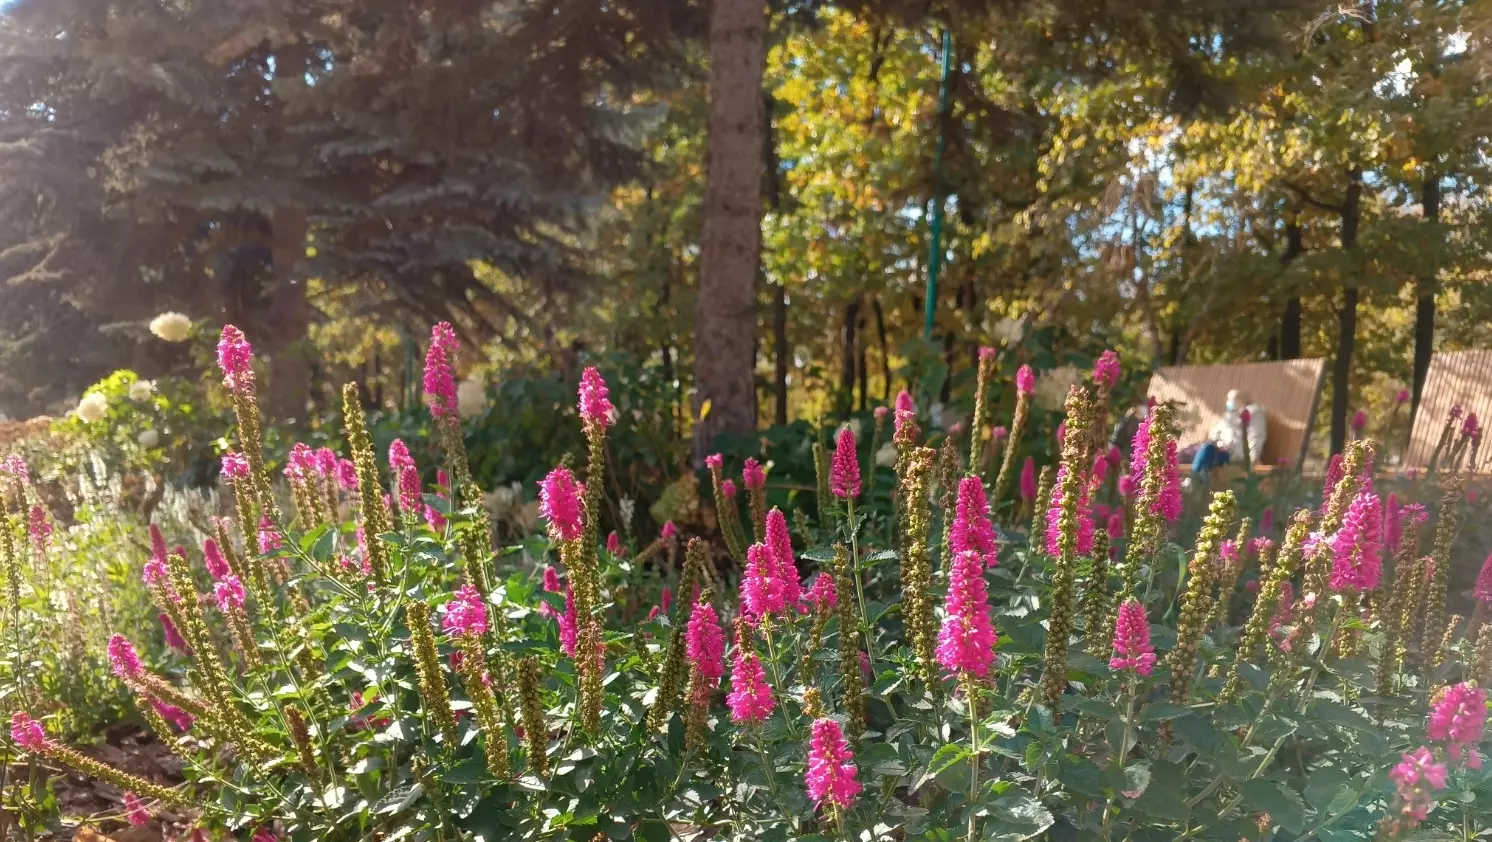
<point>870,644</point>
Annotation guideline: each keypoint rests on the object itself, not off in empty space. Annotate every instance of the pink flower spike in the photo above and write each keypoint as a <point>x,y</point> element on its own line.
<point>1115,526</point>
<point>28,733</point>
<point>346,474</point>
<point>212,559</point>
<point>235,466</point>
<point>1402,396</point>
<point>1483,589</point>
<point>40,528</point>
<point>784,560</point>
<point>966,642</point>
<point>998,433</point>
<point>134,810</point>
<point>752,475</point>
<point>551,580</point>
<point>235,359</point>
<point>830,775</point>
<point>595,409</point>
<point>1132,649</point>
<point>1266,520</point>
<point>669,531</point>
<point>411,496</point>
<point>880,412</point>
<point>904,402</point>
<point>971,530</point>
<point>123,658</point>
<point>229,593</point>
<point>1458,718</point>
<point>466,615</point>
<point>1028,479</point>
<point>844,473</point>
<point>263,834</point>
<point>1025,380</point>
<point>440,378</point>
<point>704,642</point>
<point>174,715</point>
<point>986,354</point>
<point>728,489</point>
<point>1106,369</point>
<point>614,543</point>
<point>750,696</point>
<point>559,497</point>
<point>665,599</point>
<point>823,594</point>
<point>173,636</point>
<point>715,461</point>
<point>761,590</point>
<point>1359,421</point>
<point>269,536</point>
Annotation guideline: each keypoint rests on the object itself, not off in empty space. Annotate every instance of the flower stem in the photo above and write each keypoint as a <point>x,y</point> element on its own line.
<point>971,691</point>
<point>870,646</point>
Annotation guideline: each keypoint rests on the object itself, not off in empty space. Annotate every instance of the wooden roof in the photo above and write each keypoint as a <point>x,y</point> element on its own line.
<point>1288,390</point>
<point>1455,377</point>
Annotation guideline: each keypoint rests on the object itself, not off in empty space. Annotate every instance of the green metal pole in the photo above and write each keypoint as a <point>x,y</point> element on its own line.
<point>935,249</point>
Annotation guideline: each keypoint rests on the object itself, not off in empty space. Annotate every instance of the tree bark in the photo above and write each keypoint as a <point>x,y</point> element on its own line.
<point>730,250</point>
<point>779,333</point>
<point>861,370</point>
<point>885,351</point>
<point>1341,392</point>
<point>1424,305</point>
<point>847,357</point>
<point>1290,324</point>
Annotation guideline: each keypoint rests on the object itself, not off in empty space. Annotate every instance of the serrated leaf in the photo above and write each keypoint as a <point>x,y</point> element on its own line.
<point>1282,804</point>
<point>1161,711</point>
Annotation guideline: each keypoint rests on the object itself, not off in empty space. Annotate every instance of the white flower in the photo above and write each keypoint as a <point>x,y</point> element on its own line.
<point>1010,331</point>
<point>149,438</point>
<point>171,326</point>
<point>886,456</point>
<point>1052,386</point>
<point>471,397</point>
<point>935,415</point>
<point>92,407</point>
<point>628,508</point>
<point>141,390</point>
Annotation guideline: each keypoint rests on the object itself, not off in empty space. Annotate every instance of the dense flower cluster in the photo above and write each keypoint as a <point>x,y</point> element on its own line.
<point>966,643</point>
<point>466,614</point>
<point>1355,547</point>
<point>595,407</point>
<point>831,772</point>
<point>844,475</point>
<point>559,496</point>
<point>440,379</point>
<point>1132,649</point>
<point>1458,719</point>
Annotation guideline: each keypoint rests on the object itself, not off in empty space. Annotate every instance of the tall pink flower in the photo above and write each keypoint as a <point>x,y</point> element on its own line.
<point>411,496</point>
<point>966,643</point>
<point>269,536</point>
<point>1416,779</point>
<point>594,406</point>
<point>559,501</point>
<point>326,462</point>
<point>15,467</point>
<point>1266,520</point>
<point>1483,589</point>
<point>264,834</point>
<point>1132,649</point>
<point>229,593</point>
<point>1335,471</point>
<point>236,360</point>
<point>235,466</point>
<point>715,461</point>
<point>440,379</point>
<point>750,696</point>
<point>1359,422</point>
<point>906,411</point>
<point>569,623</point>
<point>39,527</point>
<point>783,559</point>
<point>665,598</point>
<point>761,589</point>
<point>668,532</point>
<point>728,489</point>
<point>844,473</point>
<point>1028,479</point>
<point>123,658</point>
<point>173,635</point>
<point>752,475</point>
<point>1115,526</point>
<point>465,614</point>
<point>300,463</point>
<point>399,457</point>
<point>212,558</point>
<point>551,580</point>
<point>1458,718</point>
<point>174,715</point>
<point>1106,369</point>
<point>1356,562</point>
<point>134,810</point>
<point>972,530</point>
<point>346,474</point>
<point>614,543</point>
<point>1025,380</point>
<point>1084,538</point>
<point>28,733</point>
<point>830,775</point>
<point>704,642</point>
<point>822,594</point>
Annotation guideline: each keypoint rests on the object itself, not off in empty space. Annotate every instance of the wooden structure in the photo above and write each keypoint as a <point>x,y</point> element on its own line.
<point>1461,378</point>
<point>1289,391</point>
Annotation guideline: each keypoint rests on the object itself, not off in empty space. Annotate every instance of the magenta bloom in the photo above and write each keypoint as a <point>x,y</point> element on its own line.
<point>1054,519</point>
<point>704,642</point>
<point>728,489</point>
<point>300,463</point>
<point>569,623</point>
<point>1334,473</point>
<point>1100,470</point>
<point>1132,649</point>
<point>230,594</point>
<point>236,359</point>
<point>1061,433</point>
<point>1028,479</point>
<point>326,462</point>
<point>966,643</point>
<point>614,543</point>
<point>39,526</point>
<point>714,461</point>
<point>972,531</point>
<point>212,558</point>
<point>269,536</point>
<point>1115,526</point>
<point>399,457</point>
<point>783,559</point>
<point>1359,421</point>
<point>346,474</point>
<point>986,353</point>
<point>669,531</point>
<point>1455,411</point>
<point>844,473</point>
<point>123,658</point>
<point>410,494</point>
<point>906,411</point>
<point>235,466</point>
<point>559,497</point>
<point>594,406</point>
<point>15,467</point>
<point>1025,380</point>
<point>174,715</point>
<point>1106,369</point>
<point>551,580</point>
<point>1416,779</point>
<point>1356,563</point>
<point>1266,520</point>
<point>1402,396</point>
<point>173,635</point>
<point>761,589</point>
<point>28,733</point>
<point>880,412</point>
<point>665,598</point>
<point>998,433</point>
<point>465,614</point>
<point>750,696</point>
<point>263,834</point>
<point>830,775</point>
<point>822,593</point>
<point>440,380</point>
<point>753,476</point>
<point>1458,718</point>
<point>134,810</point>
<point>1483,589</point>
<point>1471,427</point>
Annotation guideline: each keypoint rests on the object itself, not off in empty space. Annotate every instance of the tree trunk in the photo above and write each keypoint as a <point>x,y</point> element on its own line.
<point>1290,324</point>
<point>779,333</point>
<point>730,249</point>
<point>1424,305</point>
<point>1341,392</point>
<point>847,357</point>
<point>861,370</point>
<point>885,351</point>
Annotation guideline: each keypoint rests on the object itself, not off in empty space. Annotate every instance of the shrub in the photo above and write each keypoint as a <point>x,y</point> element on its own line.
<point>364,664</point>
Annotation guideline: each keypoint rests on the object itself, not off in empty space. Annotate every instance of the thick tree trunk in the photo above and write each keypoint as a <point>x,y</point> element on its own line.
<point>885,351</point>
<point>847,357</point>
<point>1290,323</point>
<point>1424,305</point>
<point>730,251</point>
<point>779,334</point>
<point>861,370</point>
<point>1341,392</point>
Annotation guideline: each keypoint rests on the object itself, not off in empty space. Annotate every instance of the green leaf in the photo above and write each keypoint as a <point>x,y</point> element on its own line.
<point>1136,779</point>
<point>1028,815</point>
<point>1161,711</point>
<point>1162,799</point>
<point>652,830</point>
<point>1282,804</point>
